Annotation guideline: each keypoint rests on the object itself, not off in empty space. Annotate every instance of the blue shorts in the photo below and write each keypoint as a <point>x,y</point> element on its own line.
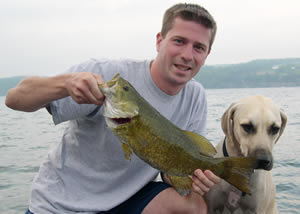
<point>137,203</point>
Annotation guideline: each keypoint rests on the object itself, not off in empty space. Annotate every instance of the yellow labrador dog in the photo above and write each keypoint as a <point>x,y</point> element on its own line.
<point>252,126</point>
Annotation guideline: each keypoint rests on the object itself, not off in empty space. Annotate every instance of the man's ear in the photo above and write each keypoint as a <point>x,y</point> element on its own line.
<point>159,38</point>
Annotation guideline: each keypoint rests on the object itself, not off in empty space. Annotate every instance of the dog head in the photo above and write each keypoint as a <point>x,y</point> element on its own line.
<point>252,127</point>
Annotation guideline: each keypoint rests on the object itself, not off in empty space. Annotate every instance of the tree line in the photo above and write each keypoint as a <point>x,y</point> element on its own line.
<point>254,74</point>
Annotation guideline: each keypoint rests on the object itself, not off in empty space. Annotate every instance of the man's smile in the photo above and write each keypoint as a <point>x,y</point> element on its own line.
<point>183,67</point>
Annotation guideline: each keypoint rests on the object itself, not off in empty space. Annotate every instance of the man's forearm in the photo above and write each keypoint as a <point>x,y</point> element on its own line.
<point>34,93</point>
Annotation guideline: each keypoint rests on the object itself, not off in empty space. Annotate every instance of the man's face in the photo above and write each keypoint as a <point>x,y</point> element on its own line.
<point>182,51</point>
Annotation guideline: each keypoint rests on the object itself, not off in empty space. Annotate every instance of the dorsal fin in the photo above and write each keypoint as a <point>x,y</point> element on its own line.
<point>206,147</point>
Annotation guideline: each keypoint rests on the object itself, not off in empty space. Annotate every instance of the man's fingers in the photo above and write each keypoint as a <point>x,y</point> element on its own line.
<point>211,176</point>
<point>83,87</point>
<point>90,97</point>
<point>98,78</point>
<point>203,181</point>
<point>97,94</point>
<point>201,186</point>
<point>198,189</point>
<point>201,178</point>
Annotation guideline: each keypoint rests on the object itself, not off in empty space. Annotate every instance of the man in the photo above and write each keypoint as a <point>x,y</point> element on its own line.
<point>87,172</point>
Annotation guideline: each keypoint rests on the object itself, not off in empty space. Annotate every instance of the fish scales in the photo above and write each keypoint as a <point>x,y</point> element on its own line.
<point>153,148</point>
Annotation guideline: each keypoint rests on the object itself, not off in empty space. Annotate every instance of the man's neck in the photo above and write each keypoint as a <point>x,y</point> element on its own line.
<point>162,84</point>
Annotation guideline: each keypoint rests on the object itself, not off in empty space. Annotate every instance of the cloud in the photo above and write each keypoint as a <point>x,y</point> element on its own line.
<point>46,37</point>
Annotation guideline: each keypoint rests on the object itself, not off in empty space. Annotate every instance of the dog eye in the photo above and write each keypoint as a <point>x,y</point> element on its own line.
<point>274,130</point>
<point>249,128</point>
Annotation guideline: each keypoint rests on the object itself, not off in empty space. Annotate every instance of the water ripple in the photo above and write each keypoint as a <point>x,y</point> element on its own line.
<point>25,139</point>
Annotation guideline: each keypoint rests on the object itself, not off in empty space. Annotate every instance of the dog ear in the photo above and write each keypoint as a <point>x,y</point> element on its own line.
<point>227,121</point>
<point>283,123</point>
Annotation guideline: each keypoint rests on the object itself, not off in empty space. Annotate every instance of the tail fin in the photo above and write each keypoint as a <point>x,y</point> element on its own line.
<point>238,170</point>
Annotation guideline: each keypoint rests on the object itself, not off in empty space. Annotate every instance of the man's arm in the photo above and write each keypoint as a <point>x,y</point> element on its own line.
<point>34,93</point>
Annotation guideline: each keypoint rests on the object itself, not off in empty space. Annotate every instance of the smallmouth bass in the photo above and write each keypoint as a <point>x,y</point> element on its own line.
<point>157,141</point>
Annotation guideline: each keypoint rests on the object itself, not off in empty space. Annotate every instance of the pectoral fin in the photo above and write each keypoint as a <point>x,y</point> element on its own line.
<point>183,185</point>
<point>206,147</point>
<point>127,151</point>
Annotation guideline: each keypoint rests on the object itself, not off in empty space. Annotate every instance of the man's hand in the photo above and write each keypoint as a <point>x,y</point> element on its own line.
<point>83,88</point>
<point>203,181</point>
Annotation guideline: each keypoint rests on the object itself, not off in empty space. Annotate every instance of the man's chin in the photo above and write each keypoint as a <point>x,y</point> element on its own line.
<point>180,79</point>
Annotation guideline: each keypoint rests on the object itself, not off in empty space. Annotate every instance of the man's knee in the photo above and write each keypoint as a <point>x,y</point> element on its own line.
<point>169,202</point>
<point>200,208</point>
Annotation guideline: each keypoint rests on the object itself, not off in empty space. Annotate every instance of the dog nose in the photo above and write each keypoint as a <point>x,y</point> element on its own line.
<point>265,164</point>
<point>265,159</point>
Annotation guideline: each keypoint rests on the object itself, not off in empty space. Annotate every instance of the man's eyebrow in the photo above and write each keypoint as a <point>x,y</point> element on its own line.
<point>179,37</point>
<point>201,44</point>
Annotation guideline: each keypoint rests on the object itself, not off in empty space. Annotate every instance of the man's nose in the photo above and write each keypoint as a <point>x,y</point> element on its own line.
<point>187,53</point>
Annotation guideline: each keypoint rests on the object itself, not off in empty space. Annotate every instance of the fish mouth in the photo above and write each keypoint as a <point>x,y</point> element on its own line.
<point>120,121</point>
<point>109,84</point>
<point>117,121</point>
<point>118,108</point>
<point>116,115</point>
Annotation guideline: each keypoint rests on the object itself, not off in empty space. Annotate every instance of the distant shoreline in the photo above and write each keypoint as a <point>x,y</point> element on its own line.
<point>263,73</point>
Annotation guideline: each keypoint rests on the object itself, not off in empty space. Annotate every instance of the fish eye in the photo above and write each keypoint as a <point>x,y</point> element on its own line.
<point>126,88</point>
<point>274,130</point>
<point>249,128</point>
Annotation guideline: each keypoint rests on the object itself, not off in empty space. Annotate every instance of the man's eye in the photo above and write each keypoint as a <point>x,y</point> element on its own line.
<point>179,41</point>
<point>199,48</point>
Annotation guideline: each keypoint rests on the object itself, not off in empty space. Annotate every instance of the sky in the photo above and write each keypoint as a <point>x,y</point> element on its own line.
<point>46,37</point>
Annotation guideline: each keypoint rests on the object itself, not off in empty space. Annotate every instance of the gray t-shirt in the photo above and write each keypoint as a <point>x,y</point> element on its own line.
<point>87,171</point>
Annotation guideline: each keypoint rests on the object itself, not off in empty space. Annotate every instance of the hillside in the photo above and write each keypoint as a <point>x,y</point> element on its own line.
<point>254,74</point>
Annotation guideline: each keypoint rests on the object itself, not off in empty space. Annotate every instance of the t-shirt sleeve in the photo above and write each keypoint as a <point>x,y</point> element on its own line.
<point>66,108</point>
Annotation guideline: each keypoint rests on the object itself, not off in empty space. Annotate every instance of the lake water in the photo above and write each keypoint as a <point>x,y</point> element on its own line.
<point>25,139</point>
